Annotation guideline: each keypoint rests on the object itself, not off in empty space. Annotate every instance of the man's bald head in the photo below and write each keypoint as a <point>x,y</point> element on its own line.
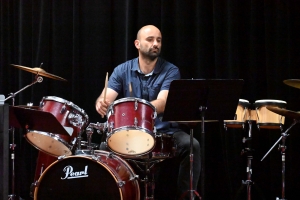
<point>147,30</point>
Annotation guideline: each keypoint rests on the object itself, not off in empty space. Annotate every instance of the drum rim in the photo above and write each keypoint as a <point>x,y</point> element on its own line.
<point>89,157</point>
<point>128,99</point>
<point>56,137</point>
<point>69,103</point>
<point>262,102</point>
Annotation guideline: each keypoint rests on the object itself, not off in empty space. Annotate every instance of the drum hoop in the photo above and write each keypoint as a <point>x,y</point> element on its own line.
<point>69,103</point>
<point>279,103</point>
<point>52,135</point>
<point>127,99</point>
<point>124,128</point>
<point>118,158</point>
<point>89,157</point>
<point>262,102</point>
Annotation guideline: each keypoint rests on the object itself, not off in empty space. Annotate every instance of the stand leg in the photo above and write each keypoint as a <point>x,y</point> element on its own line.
<point>282,148</point>
<point>191,191</point>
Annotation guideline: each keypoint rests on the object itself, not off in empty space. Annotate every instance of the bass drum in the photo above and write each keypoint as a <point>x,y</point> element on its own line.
<point>100,176</point>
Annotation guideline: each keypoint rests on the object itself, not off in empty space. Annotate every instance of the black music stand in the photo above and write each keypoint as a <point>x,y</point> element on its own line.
<point>200,100</point>
<point>20,117</point>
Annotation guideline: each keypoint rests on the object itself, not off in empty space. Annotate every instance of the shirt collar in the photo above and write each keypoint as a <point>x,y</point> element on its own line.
<point>157,69</point>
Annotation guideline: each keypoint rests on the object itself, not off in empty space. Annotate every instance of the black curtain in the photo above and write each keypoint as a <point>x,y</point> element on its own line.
<point>257,41</point>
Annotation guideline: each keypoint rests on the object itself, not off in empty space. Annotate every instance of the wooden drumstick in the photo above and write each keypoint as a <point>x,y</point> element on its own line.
<point>130,89</point>
<point>105,88</point>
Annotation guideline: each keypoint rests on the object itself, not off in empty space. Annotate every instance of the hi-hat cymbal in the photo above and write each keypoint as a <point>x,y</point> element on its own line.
<point>284,112</point>
<point>39,71</point>
<point>293,82</point>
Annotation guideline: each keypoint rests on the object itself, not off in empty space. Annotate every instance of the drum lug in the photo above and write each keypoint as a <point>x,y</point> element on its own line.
<point>135,105</point>
<point>42,103</point>
<point>63,109</point>
<point>154,130</point>
<point>32,188</point>
<point>135,122</point>
<point>154,114</point>
<point>61,157</point>
<point>94,157</point>
<point>121,184</point>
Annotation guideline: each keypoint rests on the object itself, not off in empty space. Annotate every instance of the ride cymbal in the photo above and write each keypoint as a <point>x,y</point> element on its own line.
<point>292,82</point>
<point>39,71</point>
<point>284,112</point>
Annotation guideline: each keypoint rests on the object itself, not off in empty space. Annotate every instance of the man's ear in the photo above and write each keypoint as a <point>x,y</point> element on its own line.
<point>137,44</point>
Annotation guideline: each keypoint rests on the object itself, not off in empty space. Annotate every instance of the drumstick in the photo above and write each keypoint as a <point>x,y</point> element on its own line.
<point>105,87</point>
<point>130,89</point>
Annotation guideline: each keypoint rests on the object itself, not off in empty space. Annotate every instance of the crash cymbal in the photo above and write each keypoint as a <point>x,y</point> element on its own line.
<point>293,82</point>
<point>39,71</point>
<point>284,112</point>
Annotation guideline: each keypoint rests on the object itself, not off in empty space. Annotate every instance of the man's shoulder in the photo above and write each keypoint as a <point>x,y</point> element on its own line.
<point>128,63</point>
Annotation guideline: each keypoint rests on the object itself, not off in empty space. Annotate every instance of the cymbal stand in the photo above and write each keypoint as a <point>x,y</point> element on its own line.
<point>282,147</point>
<point>38,79</point>
<point>248,150</point>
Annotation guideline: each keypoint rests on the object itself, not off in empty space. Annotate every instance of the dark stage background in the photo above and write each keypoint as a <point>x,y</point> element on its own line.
<point>254,40</point>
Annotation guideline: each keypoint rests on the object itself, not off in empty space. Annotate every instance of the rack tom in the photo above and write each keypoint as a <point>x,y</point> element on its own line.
<point>130,127</point>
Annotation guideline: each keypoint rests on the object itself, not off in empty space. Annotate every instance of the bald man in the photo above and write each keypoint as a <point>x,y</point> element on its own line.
<point>148,77</point>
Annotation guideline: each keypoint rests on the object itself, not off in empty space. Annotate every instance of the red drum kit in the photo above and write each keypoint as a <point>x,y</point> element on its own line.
<point>65,161</point>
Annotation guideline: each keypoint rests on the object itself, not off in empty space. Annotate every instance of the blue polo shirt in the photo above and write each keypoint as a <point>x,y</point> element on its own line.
<point>144,86</point>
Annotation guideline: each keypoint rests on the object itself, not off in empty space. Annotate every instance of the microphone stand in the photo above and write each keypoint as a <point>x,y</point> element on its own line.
<point>38,79</point>
<point>282,147</point>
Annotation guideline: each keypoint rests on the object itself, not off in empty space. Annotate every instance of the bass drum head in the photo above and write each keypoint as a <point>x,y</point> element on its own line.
<point>81,177</point>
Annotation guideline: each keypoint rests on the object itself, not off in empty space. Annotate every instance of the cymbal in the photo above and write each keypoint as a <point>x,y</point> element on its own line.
<point>39,71</point>
<point>284,112</point>
<point>293,82</point>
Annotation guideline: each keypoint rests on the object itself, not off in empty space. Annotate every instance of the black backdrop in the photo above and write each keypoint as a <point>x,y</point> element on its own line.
<point>254,40</point>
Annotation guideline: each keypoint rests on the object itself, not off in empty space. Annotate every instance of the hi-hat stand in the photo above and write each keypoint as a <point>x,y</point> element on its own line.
<point>199,100</point>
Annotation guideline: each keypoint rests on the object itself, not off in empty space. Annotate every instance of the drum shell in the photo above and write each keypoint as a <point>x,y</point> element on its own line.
<point>165,147</point>
<point>122,114</point>
<point>102,176</point>
<point>265,118</point>
<point>73,118</point>
<point>242,114</point>
<point>130,127</point>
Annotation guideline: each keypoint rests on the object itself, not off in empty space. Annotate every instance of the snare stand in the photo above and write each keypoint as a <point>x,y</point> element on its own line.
<point>282,147</point>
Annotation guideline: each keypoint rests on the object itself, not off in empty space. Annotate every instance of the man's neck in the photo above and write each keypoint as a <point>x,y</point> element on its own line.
<point>147,65</point>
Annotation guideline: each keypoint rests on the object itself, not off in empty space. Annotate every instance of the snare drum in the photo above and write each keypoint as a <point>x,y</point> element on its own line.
<point>99,176</point>
<point>267,119</point>
<point>130,127</point>
<point>241,115</point>
<point>70,116</point>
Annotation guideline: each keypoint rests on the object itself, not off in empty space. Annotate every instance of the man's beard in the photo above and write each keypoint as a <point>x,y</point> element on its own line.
<point>150,55</point>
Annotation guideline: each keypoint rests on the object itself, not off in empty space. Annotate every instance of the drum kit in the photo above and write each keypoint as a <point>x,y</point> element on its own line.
<point>69,168</point>
<point>268,114</point>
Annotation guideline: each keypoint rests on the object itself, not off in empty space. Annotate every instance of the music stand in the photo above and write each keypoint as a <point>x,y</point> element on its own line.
<point>35,119</point>
<point>202,101</point>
